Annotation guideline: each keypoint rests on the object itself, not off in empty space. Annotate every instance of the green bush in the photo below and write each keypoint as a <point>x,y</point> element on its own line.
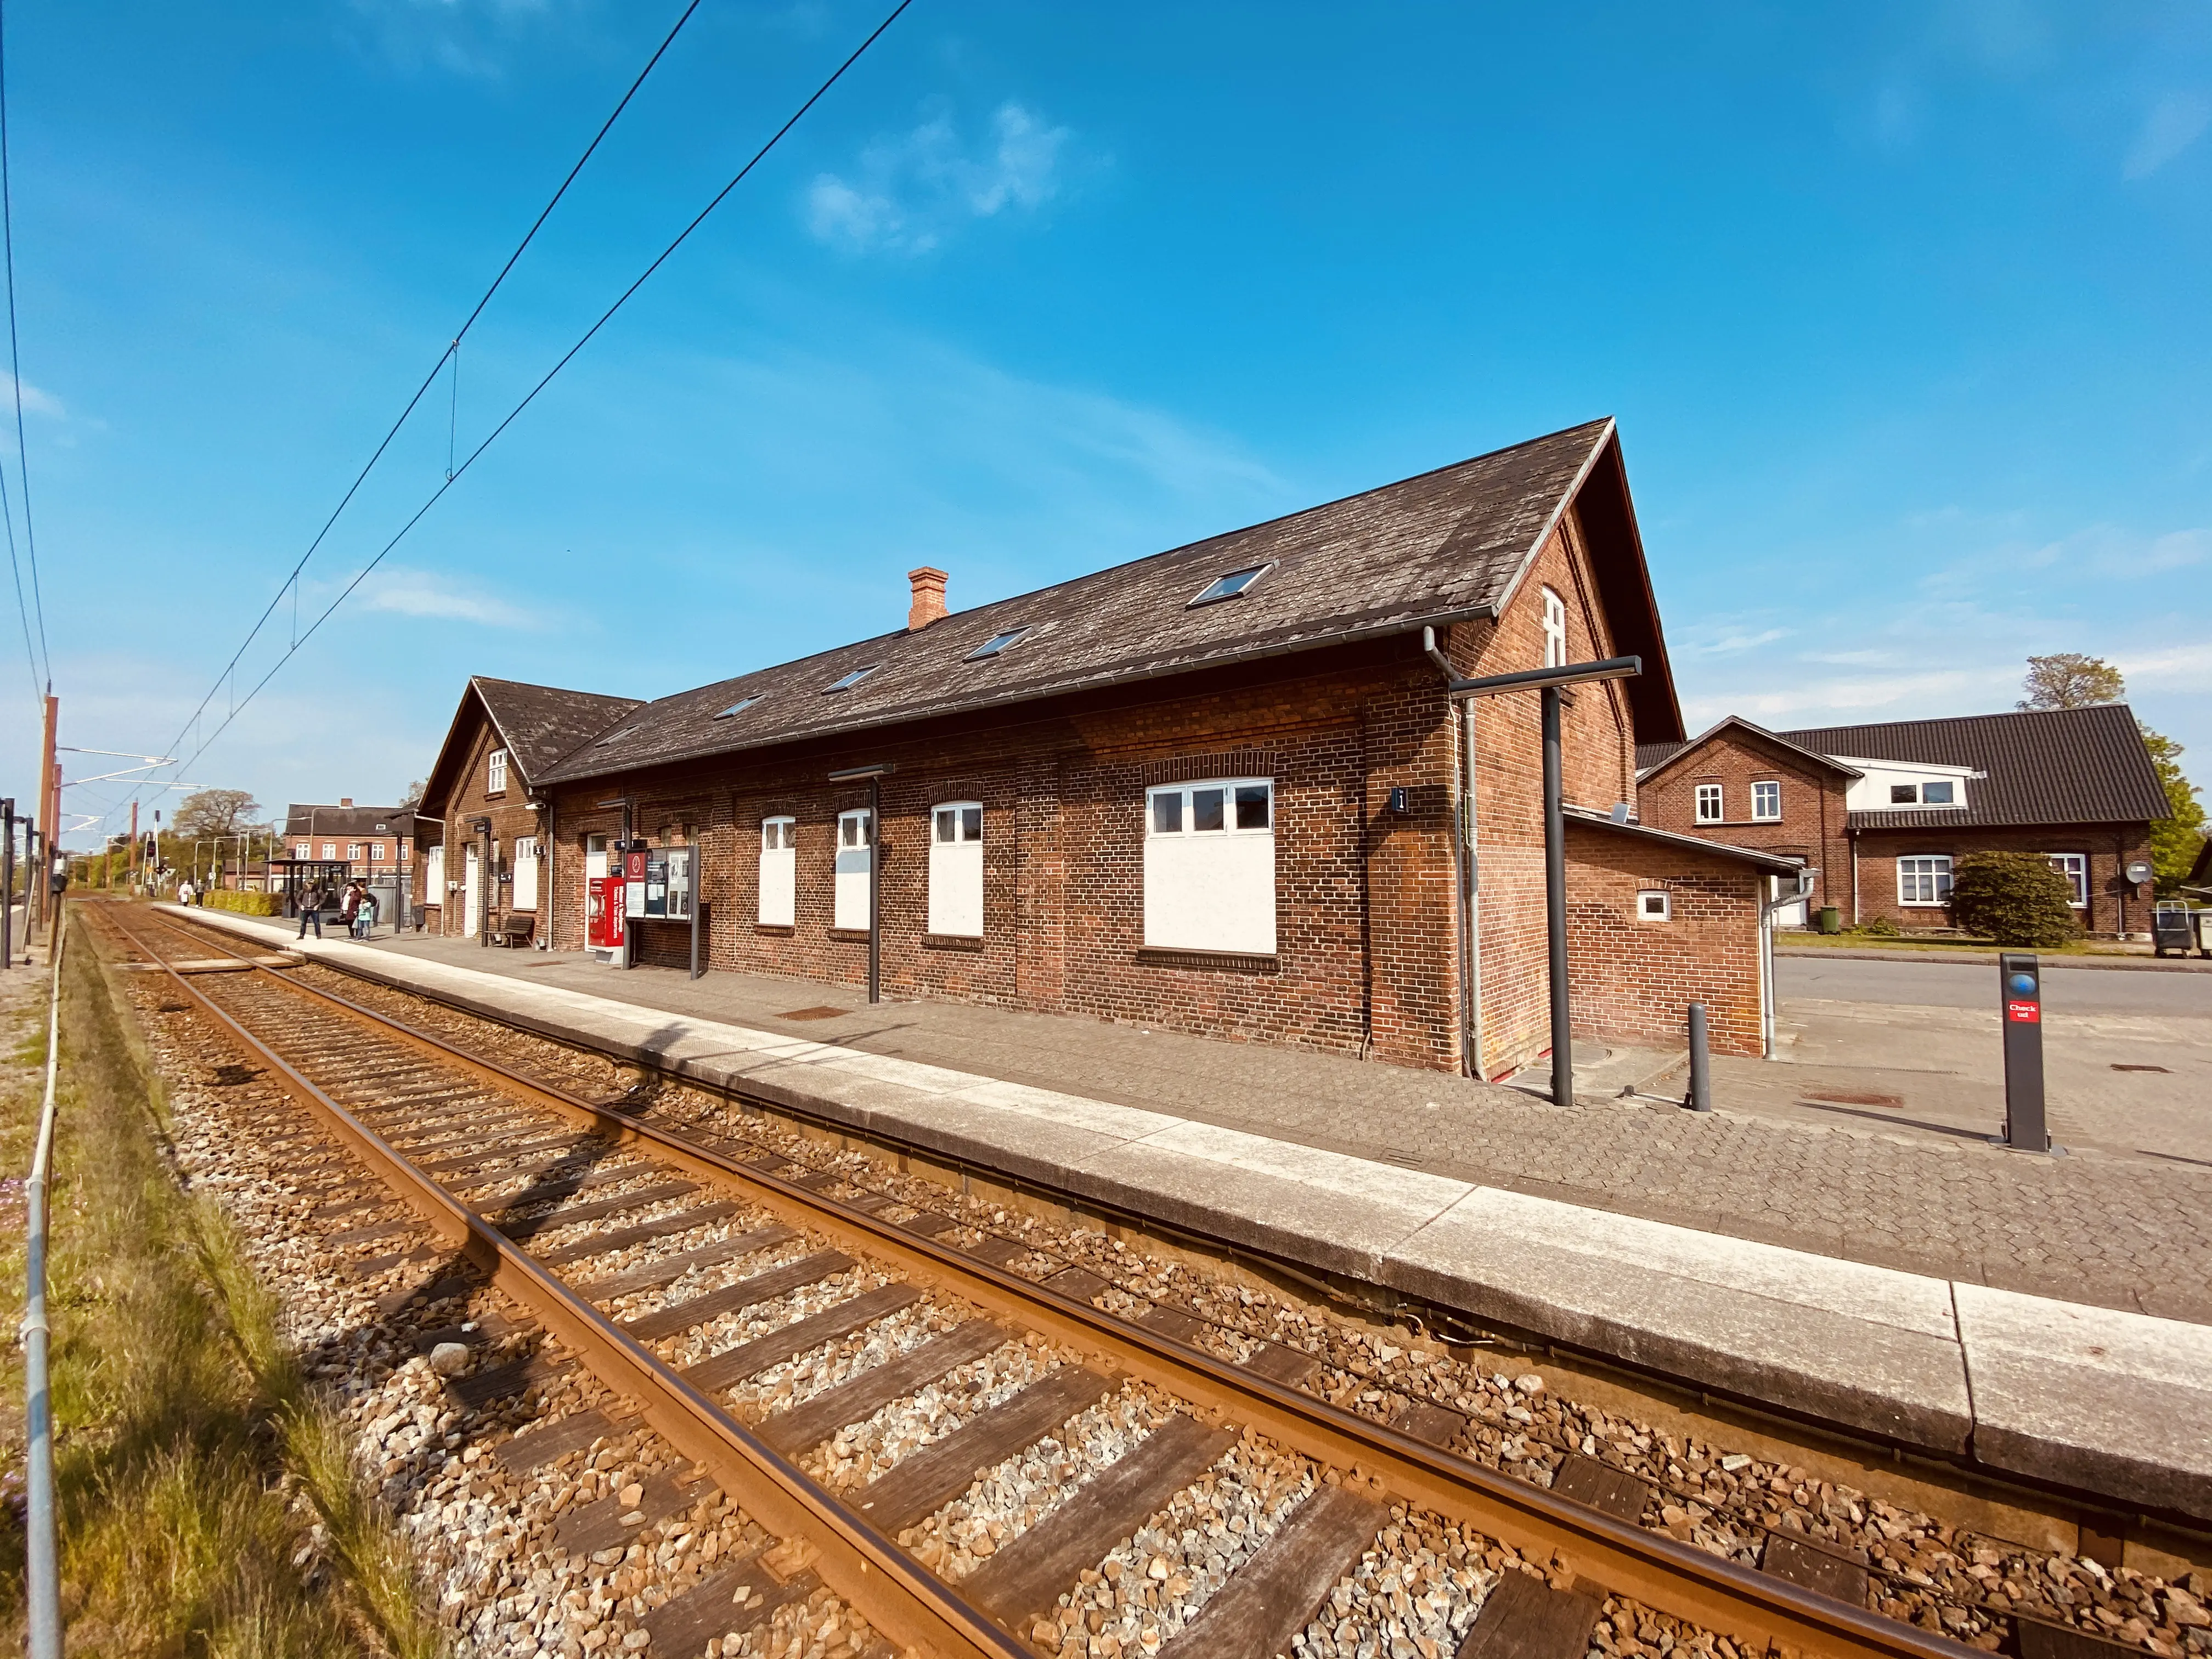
<point>247,904</point>
<point>1881,927</point>
<point>2014,898</point>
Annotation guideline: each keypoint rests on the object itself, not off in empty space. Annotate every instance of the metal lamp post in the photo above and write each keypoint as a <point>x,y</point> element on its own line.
<point>1551,682</point>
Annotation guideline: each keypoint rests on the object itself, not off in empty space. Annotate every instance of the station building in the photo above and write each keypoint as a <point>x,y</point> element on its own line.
<point>1884,811</point>
<point>1221,789</point>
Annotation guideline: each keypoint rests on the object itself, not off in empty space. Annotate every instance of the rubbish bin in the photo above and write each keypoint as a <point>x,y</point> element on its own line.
<point>1831,919</point>
<point>2170,929</point>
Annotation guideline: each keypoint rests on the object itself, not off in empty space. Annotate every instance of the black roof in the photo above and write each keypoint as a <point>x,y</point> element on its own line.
<point>1445,546</point>
<point>315,818</point>
<point>1650,756</point>
<point>538,723</point>
<point>2044,766</point>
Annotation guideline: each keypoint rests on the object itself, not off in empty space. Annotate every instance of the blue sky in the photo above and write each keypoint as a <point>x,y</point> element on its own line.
<point>1903,310</point>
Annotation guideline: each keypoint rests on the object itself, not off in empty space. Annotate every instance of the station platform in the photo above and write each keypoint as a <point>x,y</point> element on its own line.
<point>1948,1297</point>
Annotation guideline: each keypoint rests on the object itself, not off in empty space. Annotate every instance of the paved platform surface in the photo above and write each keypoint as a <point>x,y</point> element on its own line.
<point>1253,1151</point>
<point>1869,1184</point>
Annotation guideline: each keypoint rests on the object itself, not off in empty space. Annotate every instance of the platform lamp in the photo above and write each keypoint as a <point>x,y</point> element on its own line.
<point>1551,682</point>
<point>875,774</point>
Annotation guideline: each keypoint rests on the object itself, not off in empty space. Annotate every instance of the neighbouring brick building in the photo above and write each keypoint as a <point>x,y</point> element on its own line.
<point>484,849</point>
<point>1886,810</point>
<point>373,841</point>
<point>1222,789</point>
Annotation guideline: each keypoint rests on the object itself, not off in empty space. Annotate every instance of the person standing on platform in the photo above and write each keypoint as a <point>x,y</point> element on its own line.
<point>350,905</point>
<point>311,909</point>
<point>185,891</point>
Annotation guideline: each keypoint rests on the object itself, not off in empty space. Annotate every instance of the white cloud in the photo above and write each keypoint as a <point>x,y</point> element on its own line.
<point>1732,643</point>
<point>36,401</point>
<point>907,194</point>
<point>460,37</point>
<point>2175,122</point>
<point>425,593</point>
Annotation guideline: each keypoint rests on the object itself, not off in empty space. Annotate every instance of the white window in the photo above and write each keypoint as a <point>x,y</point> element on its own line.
<point>525,872</point>
<point>1555,630</point>
<point>434,879</point>
<point>855,850</point>
<point>1924,880</point>
<point>596,862</point>
<point>330,849</point>
<point>778,872</point>
<point>496,772</point>
<point>956,869</point>
<point>376,852</point>
<point>2074,866</point>
<point>1937,792</point>
<point>1708,802</point>
<point>1766,800</point>
<point>1653,905</point>
<point>1210,866</point>
<point>304,850</point>
<point>353,851</point>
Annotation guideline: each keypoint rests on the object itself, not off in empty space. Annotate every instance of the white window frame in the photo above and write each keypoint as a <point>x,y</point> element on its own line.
<point>496,772</point>
<point>777,903</point>
<point>1928,872</point>
<point>434,881</point>
<point>1654,905</point>
<point>525,873</point>
<point>1766,801</point>
<point>1555,629</point>
<point>1197,898</point>
<point>1217,591</point>
<point>1710,794</point>
<point>304,850</point>
<point>849,897</point>
<point>330,849</point>
<point>956,869</point>
<point>2075,867</point>
<point>1950,784</point>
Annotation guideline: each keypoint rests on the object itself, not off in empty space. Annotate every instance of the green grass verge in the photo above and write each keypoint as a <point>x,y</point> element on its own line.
<point>207,1504</point>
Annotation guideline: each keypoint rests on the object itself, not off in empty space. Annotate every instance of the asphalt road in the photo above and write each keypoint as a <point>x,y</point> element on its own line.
<point>1973,985</point>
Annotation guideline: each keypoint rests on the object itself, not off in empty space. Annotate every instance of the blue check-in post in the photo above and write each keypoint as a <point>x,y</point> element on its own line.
<point>2020,996</point>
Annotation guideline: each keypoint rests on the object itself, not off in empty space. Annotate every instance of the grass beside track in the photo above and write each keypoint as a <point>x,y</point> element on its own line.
<point>207,1504</point>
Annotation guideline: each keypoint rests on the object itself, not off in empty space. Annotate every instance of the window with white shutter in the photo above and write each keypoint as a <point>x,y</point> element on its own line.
<point>956,869</point>
<point>1210,866</point>
<point>778,872</point>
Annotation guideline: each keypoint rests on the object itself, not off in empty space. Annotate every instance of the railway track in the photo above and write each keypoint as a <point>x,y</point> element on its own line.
<point>942,1432</point>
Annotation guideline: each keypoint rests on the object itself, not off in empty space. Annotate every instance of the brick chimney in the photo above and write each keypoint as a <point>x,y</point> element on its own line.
<point>928,598</point>
<point>345,800</point>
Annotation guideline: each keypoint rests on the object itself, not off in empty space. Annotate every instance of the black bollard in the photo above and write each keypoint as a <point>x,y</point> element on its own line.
<point>1701,1062</point>
<point>2020,995</point>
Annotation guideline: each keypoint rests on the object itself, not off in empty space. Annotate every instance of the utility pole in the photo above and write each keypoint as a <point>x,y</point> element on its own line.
<point>49,802</point>
<point>133,846</point>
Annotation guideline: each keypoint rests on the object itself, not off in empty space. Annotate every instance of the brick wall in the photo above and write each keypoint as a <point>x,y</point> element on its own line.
<point>2114,906</point>
<point>1812,824</point>
<point>465,801</point>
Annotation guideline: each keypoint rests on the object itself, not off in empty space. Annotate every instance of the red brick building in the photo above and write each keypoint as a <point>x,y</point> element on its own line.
<point>484,856</point>
<point>1886,810</point>
<point>1223,789</point>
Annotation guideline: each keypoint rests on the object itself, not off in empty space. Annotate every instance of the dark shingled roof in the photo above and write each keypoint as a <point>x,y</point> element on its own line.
<point>1650,756</point>
<point>2044,766</point>
<point>1447,545</point>
<point>541,723</point>
<point>309,817</point>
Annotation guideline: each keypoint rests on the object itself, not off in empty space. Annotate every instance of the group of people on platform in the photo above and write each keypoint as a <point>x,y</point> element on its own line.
<point>356,905</point>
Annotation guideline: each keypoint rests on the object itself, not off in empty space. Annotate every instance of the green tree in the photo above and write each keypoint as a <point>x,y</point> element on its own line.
<point>2014,898</point>
<point>2069,679</point>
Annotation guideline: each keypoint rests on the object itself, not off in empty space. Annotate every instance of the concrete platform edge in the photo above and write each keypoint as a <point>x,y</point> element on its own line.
<point>1771,1326</point>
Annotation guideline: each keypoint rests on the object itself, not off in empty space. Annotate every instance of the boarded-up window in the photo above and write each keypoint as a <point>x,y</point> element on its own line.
<point>956,870</point>
<point>855,849</point>
<point>525,872</point>
<point>778,872</point>
<point>1210,866</point>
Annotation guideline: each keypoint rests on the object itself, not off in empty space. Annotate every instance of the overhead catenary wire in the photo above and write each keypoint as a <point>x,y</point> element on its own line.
<point>42,665</point>
<point>291,580</point>
<point>531,396</point>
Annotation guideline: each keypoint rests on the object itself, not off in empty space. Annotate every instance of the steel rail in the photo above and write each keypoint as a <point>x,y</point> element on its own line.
<point>902,1599</point>
<point>1659,1571</point>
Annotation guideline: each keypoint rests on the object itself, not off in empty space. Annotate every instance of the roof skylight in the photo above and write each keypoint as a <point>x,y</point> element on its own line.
<point>613,737</point>
<point>737,708</point>
<point>997,643</point>
<point>1230,586</point>
<point>852,679</point>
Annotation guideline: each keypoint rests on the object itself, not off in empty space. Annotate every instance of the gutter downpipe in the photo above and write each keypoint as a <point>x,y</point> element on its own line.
<point>42,1580</point>
<point>1468,900</point>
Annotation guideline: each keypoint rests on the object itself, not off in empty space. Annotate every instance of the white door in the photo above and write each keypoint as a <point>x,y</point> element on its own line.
<point>471,896</point>
<point>778,872</point>
<point>434,878</point>
<point>525,873</point>
<point>855,847</point>
<point>956,870</point>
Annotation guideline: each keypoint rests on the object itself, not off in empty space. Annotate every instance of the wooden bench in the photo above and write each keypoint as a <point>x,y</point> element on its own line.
<point>514,930</point>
